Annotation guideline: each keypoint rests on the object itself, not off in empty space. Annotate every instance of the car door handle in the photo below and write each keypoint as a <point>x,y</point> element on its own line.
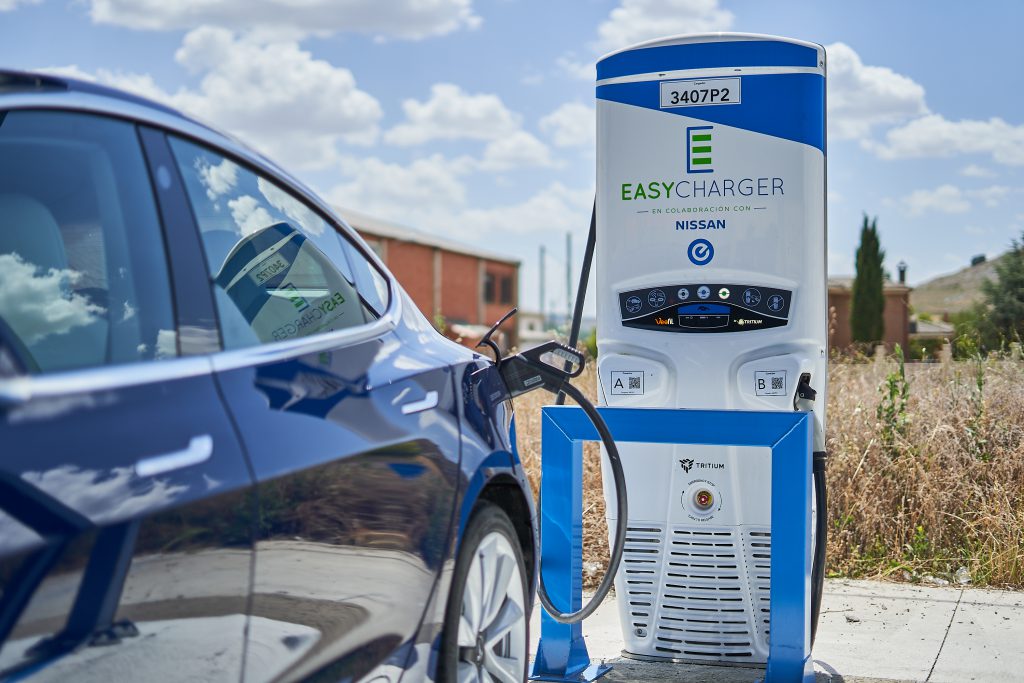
<point>426,403</point>
<point>199,450</point>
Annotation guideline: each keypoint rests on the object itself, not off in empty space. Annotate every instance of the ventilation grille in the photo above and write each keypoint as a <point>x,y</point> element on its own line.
<point>703,602</point>
<point>641,566</point>
<point>697,593</point>
<point>757,546</point>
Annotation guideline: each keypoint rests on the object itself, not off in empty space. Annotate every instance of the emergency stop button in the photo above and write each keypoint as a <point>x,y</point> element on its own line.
<point>702,500</point>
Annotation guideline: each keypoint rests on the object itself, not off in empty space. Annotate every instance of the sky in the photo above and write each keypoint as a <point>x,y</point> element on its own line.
<point>474,119</point>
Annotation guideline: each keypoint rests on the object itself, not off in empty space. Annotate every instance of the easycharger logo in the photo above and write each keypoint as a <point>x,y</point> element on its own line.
<point>698,149</point>
<point>699,159</point>
<point>702,189</point>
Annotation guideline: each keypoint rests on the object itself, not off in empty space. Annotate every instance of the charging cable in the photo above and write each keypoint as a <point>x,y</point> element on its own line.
<point>536,369</point>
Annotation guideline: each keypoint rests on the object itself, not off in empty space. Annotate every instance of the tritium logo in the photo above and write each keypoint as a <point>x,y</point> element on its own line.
<point>689,464</point>
<point>698,149</point>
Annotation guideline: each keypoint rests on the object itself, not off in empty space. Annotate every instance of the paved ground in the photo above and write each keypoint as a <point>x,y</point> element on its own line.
<point>868,632</point>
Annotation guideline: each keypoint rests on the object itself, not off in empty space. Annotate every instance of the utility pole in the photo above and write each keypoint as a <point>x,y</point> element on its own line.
<point>568,276</point>
<point>543,318</point>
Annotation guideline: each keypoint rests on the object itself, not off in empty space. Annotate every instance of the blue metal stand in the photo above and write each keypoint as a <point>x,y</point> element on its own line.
<point>562,654</point>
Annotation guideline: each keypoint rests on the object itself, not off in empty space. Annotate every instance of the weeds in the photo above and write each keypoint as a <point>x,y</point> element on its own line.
<point>925,481</point>
<point>892,410</point>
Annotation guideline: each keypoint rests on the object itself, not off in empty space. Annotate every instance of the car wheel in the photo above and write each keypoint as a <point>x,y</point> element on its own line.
<point>486,623</point>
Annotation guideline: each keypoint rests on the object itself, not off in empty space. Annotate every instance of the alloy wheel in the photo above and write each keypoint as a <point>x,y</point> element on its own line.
<point>492,625</point>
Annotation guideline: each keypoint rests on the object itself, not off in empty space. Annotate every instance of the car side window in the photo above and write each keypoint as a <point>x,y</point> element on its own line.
<point>279,271</point>
<point>372,284</point>
<point>83,271</point>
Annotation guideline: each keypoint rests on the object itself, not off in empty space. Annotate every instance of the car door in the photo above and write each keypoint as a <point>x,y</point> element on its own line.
<point>125,501</point>
<point>352,435</point>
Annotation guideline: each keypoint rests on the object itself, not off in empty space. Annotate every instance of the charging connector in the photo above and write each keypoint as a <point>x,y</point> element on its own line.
<point>539,368</point>
<point>803,401</point>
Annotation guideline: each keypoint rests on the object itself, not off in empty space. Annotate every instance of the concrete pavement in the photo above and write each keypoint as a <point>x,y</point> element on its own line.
<point>869,631</point>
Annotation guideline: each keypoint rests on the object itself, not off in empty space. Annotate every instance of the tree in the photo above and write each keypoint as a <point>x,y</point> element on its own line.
<point>1004,298</point>
<point>868,299</point>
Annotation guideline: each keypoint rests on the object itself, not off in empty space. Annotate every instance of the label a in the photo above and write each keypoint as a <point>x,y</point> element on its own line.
<point>627,383</point>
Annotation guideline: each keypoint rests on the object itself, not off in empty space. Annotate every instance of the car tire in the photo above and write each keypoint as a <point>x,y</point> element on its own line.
<point>487,622</point>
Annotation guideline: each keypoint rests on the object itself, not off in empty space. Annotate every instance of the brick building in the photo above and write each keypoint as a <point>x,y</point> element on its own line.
<point>895,315</point>
<point>470,288</point>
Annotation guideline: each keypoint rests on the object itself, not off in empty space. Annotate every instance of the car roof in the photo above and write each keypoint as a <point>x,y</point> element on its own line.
<point>29,81</point>
<point>35,90</point>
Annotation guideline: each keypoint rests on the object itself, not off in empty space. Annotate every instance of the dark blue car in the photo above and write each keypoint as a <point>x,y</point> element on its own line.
<point>231,448</point>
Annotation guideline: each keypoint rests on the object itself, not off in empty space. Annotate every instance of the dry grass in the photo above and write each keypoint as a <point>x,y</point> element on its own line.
<point>925,490</point>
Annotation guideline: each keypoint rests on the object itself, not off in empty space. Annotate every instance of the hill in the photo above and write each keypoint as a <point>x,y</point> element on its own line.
<point>955,292</point>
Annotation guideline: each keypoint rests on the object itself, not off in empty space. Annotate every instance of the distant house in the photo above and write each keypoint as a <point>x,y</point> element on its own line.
<point>925,329</point>
<point>896,314</point>
<point>533,329</point>
<point>469,288</point>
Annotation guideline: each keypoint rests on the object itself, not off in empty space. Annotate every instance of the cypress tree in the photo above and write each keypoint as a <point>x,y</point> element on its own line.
<point>868,299</point>
<point>1004,321</point>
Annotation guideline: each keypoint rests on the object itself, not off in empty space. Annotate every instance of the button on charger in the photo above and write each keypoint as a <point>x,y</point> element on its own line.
<point>703,499</point>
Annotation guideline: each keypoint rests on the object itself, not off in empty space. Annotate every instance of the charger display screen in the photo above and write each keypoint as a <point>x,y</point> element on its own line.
<point>705,308</point>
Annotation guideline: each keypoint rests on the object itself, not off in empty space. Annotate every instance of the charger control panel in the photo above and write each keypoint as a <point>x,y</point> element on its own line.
<point>705,307</point>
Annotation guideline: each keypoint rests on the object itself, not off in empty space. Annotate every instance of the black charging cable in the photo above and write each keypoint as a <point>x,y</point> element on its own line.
<point>615,552</point>
<point>538,368</point>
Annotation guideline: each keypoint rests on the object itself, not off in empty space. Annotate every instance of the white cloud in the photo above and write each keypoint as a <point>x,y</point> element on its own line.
<point>277,97</point>
<point>637,20</point>
<point>582,71</point>
<point>248,215</point>
<point>413,194</point>
<point>218,179</point>
<point>36,303</point>
<point>166,343</point>
<point>555,209</point>
<point>8,5</point>
<point>291,207</point>
<point>571,125</point>
<point>297,108</point>
<point>935,136</point>
<point>408,19</point>
<point>990,196</point>
<point>140,84</point>
<point>453,114</point>
<point>518,150</point>
<point>108,494</point>
<point>430,195</point>
<point>861,97</point>
<point>975,171</point>
<point>944,198</point>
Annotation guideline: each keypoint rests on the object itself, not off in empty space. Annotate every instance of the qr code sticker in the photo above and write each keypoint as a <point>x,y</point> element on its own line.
<point>627,383</point>
<point>770,383</point>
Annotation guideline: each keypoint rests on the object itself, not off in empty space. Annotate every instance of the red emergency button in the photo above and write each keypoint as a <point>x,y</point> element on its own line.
<point>704,499</point>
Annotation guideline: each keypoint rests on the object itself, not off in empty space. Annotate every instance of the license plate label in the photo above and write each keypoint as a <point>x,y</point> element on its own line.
<point>700,92</point>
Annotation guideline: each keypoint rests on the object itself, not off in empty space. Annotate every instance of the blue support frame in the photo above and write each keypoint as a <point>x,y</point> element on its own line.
<point>562,654</point>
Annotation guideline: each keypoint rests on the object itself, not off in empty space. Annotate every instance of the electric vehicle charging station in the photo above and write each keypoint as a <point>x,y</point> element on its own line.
<point>711,294</point>
<point>710,233</point>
